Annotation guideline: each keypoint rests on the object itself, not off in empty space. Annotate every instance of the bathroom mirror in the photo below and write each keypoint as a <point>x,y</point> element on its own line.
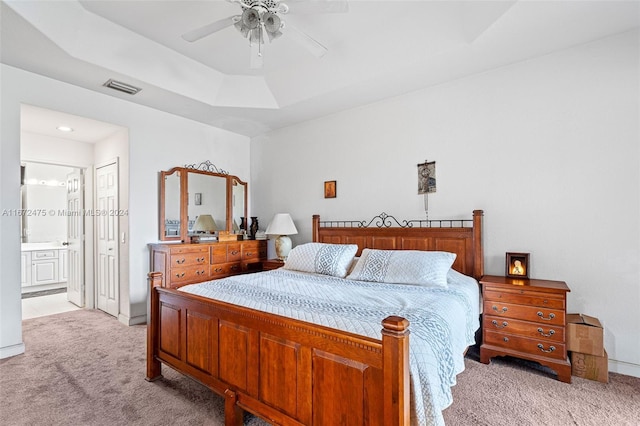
<point>187,193</point>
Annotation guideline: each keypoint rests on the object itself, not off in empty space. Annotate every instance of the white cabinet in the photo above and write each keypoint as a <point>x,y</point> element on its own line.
<point>40,267</point>
<point>25,268</point>
<point>63,264</point>
<point>44,267</point>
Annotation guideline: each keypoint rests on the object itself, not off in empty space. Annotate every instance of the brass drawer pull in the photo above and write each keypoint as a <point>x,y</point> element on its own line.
<point>200,259</point>
<point>551,316</point>
<point>179,275</point>
<point>180,261</point>
<point>541,347</point>
<point>506,339</point>
<point>495,308</point>
<point>218,270</point>
<point>542,333</point>
<point>234,268</point>
<point>495,323</point>
<point>249,254</point>
<point>200,272</point>
<point>234,252</point>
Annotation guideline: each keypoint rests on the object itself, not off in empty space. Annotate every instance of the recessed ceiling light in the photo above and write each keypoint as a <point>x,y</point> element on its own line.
<point>64,128</point>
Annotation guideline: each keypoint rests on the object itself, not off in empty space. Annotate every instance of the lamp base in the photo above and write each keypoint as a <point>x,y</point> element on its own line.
<point>283,247</point>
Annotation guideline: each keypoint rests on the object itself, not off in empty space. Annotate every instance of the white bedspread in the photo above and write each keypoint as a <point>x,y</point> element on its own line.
<point>442,321</point>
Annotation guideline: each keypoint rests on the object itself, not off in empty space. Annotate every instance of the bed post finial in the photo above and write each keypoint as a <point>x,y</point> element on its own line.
<point>478,261</point>
<point>395,370</point>
<point>154,368</point>
<point>316,227</point>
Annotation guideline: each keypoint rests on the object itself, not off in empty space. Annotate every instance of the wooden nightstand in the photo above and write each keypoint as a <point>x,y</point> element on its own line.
<point>525,318</point>
<point>270,264</point>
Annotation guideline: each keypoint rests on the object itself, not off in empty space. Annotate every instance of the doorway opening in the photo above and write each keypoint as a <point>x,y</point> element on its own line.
<point>45,250</point>
<point>77,155</point>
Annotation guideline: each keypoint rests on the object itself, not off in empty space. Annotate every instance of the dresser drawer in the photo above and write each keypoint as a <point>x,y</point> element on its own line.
<point>182,276</point>
<point>543,348</point>
<point>523,297</point>
<point>254,251</point>
<point>224,269</point>
<point>234,253</point>
<point>527,313</point>
<point>544,332</point>
<point>181,260</point>
<point>218,253</point>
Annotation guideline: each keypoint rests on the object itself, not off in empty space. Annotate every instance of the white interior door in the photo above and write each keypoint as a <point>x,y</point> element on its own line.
<point>107,283</point>
<point>75,238</point>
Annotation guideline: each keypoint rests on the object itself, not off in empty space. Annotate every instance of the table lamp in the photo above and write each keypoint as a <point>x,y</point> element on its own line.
<point>205,224</point>
<point>282,226</point>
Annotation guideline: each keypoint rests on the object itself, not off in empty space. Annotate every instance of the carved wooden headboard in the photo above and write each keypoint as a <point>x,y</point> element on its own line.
<point>463,237</point>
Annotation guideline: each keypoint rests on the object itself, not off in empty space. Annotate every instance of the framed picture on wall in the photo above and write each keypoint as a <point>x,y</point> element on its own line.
<point>198,199</point>
<point>330,189</point>
<point>517,265</point>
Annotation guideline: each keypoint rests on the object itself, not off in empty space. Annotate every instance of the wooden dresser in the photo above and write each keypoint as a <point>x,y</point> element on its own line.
<point>525,318</point>
<point>185,263</point>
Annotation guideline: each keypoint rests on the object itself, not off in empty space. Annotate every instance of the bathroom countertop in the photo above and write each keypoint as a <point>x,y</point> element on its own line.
<point>42,246</point>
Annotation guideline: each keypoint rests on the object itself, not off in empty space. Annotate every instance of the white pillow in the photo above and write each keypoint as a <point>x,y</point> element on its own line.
<point>403,267</point>
<point>322,258</point>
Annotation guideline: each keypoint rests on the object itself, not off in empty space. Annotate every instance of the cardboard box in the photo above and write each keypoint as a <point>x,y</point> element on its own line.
<point>590,367</point>
<point>585,334</point>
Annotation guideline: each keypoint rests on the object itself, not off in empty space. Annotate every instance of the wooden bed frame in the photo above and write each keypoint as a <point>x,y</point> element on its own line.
<point>291,372</point>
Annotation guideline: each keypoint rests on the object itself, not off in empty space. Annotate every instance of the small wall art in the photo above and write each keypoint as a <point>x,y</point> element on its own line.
<point>427,177</point>
<point>330,189</point>
<point>198,199</point>
<point>517,265</point>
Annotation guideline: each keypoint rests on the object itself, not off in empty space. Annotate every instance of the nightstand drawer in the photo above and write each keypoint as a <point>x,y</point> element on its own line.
<point>543,348</point>
<point>543,332</point>
<point>527,313</point>
<point>523,297</point>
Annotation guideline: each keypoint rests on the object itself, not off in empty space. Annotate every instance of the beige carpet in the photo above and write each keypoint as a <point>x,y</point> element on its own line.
<point>85,368</point>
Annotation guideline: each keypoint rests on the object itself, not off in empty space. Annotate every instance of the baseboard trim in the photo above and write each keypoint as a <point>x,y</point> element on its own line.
<point>140,319</point>
<point>625,368</point>
<point>13,350</point>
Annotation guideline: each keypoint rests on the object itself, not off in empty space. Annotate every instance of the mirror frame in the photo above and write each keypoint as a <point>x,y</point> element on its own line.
<point>184,196</point>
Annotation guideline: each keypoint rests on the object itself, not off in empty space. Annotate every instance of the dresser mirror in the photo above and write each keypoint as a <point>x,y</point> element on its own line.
<point>170,210</point>
<point>238,202</point>
<point>186,193</point>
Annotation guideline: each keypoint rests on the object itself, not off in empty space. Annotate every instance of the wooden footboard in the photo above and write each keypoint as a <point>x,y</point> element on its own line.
<point>286,371</point>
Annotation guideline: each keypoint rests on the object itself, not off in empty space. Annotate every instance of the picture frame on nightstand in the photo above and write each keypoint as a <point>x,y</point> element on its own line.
<point>517,265</point>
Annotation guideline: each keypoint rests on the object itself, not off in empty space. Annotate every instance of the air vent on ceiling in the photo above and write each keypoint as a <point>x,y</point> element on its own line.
<point>122,87</point>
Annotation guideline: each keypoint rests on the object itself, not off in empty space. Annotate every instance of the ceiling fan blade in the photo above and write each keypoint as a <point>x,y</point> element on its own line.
<point>208,29</point>
<point>304,40</point>
<point>318,6</point>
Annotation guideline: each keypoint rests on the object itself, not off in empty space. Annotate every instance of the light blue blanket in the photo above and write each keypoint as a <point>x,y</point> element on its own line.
<point>442,321</point>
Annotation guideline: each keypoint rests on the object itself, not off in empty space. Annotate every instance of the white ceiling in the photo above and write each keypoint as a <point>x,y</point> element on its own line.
<point>377,49</point>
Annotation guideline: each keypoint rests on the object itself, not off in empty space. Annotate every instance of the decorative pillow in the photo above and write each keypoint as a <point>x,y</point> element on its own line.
<point>403,267</point>
<point>321,258</point>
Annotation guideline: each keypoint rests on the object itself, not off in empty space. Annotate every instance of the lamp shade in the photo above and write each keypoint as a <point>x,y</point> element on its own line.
<point>281,224</point>
<point>205,223</point>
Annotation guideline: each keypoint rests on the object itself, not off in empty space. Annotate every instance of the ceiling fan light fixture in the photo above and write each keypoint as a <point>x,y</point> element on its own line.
<point>271,21</point>
<point>251,18</point>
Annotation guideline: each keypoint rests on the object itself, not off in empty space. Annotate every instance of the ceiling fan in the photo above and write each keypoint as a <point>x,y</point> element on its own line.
<point>260,17</point>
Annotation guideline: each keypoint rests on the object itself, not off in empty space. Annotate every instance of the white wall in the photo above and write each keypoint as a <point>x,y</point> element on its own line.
<point>548,148</point>
<point>157,141</point>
